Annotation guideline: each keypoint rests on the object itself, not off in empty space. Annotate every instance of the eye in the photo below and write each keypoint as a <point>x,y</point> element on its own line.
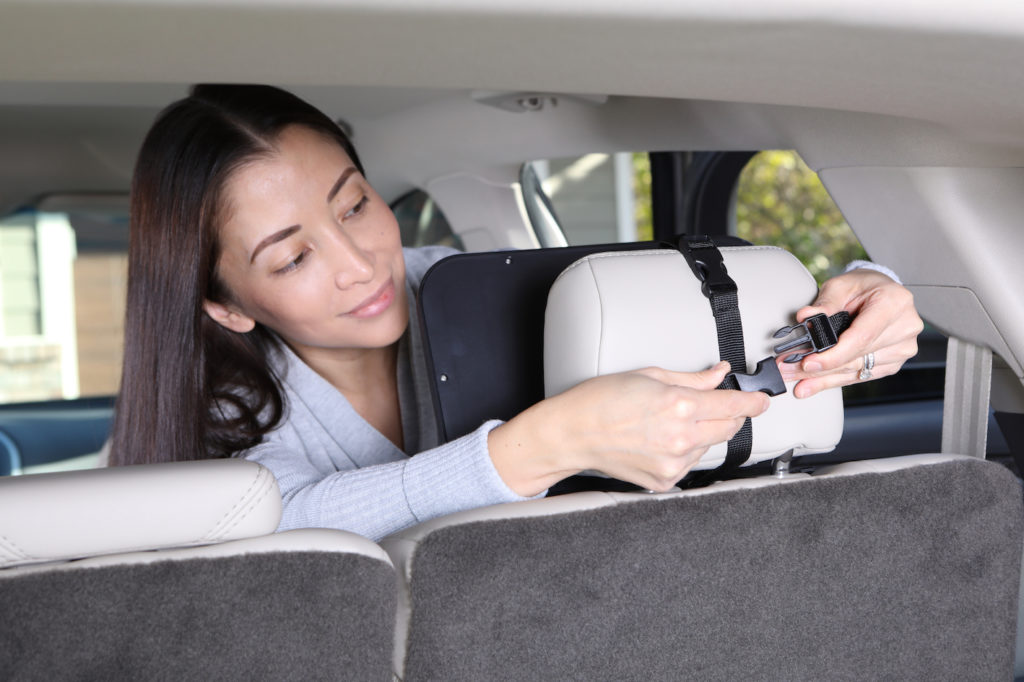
<point>294,264</point>
<point>358,208</point>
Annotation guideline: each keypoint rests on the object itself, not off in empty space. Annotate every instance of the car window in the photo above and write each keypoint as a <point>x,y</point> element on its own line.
<point>62,289</point>
<point>592,199</point>
<point>62,292</point>
<point>780,201</point>
<point>774,198</point>
<point>422,223</point>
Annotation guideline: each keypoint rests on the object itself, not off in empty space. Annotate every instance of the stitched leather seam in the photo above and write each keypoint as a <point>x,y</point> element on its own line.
<point>267,488</point>
<point>215,532</point>
<point>11,550</point>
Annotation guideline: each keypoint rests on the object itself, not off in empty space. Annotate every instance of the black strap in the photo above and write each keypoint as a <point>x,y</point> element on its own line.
<point>707,264</point>
<point>815,334</point>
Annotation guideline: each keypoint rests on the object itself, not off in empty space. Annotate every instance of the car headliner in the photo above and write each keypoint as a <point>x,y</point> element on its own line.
<point>912,112</point>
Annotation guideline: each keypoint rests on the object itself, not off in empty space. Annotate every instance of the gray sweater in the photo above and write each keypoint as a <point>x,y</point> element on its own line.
<point>337,471</point>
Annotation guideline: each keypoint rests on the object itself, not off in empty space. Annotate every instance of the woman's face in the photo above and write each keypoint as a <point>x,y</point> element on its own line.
<point>309,250</point>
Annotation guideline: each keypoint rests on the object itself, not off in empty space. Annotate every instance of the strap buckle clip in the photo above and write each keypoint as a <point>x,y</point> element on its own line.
<point>816,331</point>
<point>766,378</point>
<point>708,265</point>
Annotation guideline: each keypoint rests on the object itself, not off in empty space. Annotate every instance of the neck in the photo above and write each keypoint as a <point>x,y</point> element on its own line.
<point>354,371</point>
<point>367,377</point>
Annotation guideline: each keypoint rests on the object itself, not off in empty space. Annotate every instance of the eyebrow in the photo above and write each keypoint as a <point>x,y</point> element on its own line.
<point>273,239</point>
<point>345,175</point>
<point>292,229</point>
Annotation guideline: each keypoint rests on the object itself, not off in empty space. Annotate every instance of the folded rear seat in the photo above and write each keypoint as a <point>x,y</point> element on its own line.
<point>173,571</point>
<point>897,568</point>
<point>902,568</point>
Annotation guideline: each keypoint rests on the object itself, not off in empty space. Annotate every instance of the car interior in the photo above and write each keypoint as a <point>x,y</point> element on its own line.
<point>877,533</point>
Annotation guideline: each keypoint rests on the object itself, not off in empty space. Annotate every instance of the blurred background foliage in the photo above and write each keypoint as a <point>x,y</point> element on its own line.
<point>779,201</point>
<point>642,194</point>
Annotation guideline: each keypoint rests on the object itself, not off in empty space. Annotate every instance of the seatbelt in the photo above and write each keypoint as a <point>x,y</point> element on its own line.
<point>708,266</point>
<point>966,403</point>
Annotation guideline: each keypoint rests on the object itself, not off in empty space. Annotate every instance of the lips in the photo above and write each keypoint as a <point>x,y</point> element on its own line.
<point>376,303</point>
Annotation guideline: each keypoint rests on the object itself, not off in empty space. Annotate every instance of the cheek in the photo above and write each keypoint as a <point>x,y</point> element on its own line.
<point>294,299</point>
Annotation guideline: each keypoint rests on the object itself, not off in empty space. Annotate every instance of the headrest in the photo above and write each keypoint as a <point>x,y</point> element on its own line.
<point>75,514</point>
<point>619,311</point>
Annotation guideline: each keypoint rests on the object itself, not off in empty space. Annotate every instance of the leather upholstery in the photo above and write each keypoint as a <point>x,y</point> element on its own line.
<point>620,311</point>
<point>69,515</point>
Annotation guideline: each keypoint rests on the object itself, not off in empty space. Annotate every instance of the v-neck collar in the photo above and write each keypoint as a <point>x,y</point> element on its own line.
<point>332,410</point>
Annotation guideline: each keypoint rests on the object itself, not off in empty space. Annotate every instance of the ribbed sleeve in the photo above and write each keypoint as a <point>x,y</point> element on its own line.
<point>377,500</point>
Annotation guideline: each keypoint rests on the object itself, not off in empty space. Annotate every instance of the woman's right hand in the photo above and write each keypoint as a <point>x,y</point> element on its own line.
<point>648,427</point>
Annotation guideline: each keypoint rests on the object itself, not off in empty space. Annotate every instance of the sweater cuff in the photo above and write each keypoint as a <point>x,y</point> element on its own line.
<point>868,265</point>
<point>456,476</point>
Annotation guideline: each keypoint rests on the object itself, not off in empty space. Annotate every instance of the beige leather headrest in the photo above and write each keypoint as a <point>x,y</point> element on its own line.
<point>624,310</point>
<point>75,514</point>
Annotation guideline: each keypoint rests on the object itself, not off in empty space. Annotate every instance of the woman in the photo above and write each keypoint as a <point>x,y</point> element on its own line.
<point>268,317</point>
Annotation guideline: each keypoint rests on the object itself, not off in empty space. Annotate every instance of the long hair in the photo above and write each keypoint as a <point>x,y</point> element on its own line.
<point>191,389</point>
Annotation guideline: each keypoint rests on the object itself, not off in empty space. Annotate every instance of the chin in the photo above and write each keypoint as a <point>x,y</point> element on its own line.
<point>388,328</point>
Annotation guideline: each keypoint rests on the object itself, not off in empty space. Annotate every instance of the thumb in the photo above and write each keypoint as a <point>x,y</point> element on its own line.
<point>710,378</point>
<point>704,380</point>
<point>826,303</point>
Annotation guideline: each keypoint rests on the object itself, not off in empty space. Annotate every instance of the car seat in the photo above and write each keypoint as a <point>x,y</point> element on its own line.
<point>894,568</point>
<point>173,571</point>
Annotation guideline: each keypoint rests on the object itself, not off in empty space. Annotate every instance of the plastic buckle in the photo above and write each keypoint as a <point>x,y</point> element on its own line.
<point>817,332</point>
<point>766,378</point>
<point>710,268</point>
<point>707,264</point>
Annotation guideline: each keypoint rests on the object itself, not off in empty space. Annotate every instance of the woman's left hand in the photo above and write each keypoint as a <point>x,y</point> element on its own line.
<point>885,323</point>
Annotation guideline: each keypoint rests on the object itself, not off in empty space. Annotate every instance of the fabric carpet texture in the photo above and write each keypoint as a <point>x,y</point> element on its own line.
<point>278,616</point>
<point>906,575</point>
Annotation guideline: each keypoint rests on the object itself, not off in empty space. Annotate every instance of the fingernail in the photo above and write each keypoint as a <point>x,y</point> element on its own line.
<point>801,392</point>
<point>812,366</point>
<point>787,369</point>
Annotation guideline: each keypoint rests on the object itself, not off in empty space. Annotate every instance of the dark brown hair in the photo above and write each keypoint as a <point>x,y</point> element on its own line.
<point>191,389</point>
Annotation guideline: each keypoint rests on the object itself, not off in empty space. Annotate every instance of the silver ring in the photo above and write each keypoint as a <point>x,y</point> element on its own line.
<point>869,364</point>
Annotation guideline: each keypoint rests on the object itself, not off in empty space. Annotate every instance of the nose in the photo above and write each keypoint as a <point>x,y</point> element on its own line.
<point>352,265</point>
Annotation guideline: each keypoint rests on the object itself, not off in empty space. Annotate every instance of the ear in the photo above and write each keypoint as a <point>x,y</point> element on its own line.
<point>228,317</point>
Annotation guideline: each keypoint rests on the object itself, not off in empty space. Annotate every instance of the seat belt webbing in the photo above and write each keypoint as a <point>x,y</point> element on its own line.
<point>707,264</point>
<point>966,404</point>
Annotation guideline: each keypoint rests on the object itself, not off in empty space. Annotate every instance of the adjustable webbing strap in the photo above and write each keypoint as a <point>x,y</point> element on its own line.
<point>706,262</point>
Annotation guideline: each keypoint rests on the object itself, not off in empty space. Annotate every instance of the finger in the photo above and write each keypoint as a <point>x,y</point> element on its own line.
<point>835,295</point>
<point>725,404</point>
<point>814,385</point>
<point>885,317</point>
<point>713,431</point>
<point>793,372</point>
<point>853,344</point>
<point>704,380</point>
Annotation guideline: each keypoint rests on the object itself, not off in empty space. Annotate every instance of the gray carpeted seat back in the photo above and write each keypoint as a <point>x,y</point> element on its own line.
<point>277,615</point>
<point>906,574</point>
<point>174,571</point>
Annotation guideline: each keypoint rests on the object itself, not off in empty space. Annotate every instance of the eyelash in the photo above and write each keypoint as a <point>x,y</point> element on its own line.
<point>354,211</point>
<point>294,264</point>
<point>358,208</point>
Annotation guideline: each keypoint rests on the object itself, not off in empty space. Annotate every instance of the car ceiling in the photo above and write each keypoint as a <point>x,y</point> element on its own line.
<point>917,95</point>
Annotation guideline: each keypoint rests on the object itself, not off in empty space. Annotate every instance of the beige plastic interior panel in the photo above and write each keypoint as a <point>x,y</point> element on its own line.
<point>954,236</point>
<point>487,214</point>
<point>1007,388</point>
<point>958,308</point>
